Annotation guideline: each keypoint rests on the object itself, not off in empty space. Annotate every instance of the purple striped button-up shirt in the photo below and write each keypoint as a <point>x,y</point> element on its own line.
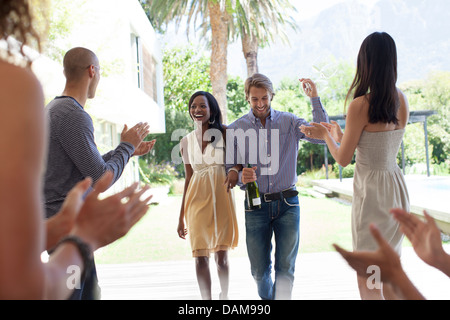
<point>273,148</point>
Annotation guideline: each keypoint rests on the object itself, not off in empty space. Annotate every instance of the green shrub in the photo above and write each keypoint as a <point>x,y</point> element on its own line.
<point>347,172</point>
<point>157,174</point>
<point>304,180</point>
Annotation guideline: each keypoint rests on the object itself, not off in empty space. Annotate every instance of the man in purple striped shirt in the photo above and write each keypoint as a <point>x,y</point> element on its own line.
<point>268,140</point>
<point>72,151</point>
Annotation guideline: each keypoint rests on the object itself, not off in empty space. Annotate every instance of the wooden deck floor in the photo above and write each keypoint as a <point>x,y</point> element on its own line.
<point>319,276</point>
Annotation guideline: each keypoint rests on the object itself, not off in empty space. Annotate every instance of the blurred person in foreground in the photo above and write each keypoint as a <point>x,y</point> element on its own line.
<point>425,238</point>
<point>23,230</point>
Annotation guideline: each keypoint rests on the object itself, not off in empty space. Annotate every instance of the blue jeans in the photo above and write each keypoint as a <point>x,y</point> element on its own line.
<point>282,218</point>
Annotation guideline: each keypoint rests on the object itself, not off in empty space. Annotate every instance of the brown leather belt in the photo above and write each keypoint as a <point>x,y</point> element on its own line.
<point>268,197</point>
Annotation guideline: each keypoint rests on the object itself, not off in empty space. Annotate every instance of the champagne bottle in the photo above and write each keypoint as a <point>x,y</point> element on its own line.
<point>252,194</point>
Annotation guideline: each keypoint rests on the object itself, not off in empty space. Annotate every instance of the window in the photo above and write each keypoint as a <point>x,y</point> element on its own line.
<point>137,62</point>
<point>144,68</point>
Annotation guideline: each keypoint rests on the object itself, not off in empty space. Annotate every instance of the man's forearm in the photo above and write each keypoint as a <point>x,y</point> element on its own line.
<point>319,113</point>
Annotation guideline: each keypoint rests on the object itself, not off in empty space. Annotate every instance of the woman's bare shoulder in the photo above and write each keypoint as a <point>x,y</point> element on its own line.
<point>22,101</point>
<point>360,101</point>
<point>359,105</point>
<point>13,72</point>
<point>19,84</point>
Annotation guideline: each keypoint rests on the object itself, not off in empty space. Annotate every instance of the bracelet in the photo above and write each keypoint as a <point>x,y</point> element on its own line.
<point>85,252</point>
<point>233,169</point>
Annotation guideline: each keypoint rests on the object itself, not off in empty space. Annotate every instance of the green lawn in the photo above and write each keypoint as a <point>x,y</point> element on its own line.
<point>154,238</point>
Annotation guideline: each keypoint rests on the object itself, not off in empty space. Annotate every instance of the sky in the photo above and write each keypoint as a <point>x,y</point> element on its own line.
<point>305,10</point>
<point>308,9</point>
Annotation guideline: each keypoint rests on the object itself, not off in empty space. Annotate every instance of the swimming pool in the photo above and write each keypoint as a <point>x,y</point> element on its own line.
<point>429,192</point>
<point>425,193</point>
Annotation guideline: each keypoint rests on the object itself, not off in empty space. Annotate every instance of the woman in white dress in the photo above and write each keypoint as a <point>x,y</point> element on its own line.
<point>375,125</point>
<point>208,206</point>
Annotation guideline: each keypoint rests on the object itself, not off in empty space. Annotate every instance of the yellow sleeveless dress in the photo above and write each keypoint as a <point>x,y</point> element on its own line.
<point>209,209</point>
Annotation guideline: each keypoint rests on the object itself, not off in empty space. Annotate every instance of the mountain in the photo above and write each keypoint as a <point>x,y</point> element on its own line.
<point>420,28</point>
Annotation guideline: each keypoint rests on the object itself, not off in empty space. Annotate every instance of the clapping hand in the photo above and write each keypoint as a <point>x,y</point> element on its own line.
<point>102,221</point>
<point>334,129</point>
<point>385,258</point>
<point>144,148</point>
<point>388,262</point>
<point>136,134</point>
<point>314,130</point>
<point>425,236</point>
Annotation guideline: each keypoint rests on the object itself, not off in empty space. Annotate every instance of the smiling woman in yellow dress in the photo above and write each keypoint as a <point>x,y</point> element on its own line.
<point>208,205</point>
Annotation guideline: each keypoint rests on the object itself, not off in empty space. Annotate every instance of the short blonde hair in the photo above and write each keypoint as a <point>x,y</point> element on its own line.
<point>258,80</point>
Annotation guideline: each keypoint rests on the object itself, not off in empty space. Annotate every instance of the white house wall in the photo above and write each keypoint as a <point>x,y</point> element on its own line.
<point>106,27</point>
<point>106,31</point>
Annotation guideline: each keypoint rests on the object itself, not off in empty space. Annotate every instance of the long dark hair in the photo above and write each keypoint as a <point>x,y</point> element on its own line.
<point>376,75</point>
<point>215,119</point>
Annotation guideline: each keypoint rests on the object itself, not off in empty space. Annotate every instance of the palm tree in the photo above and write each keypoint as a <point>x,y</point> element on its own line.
<point>215,17</point>
<point>257,22</point>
